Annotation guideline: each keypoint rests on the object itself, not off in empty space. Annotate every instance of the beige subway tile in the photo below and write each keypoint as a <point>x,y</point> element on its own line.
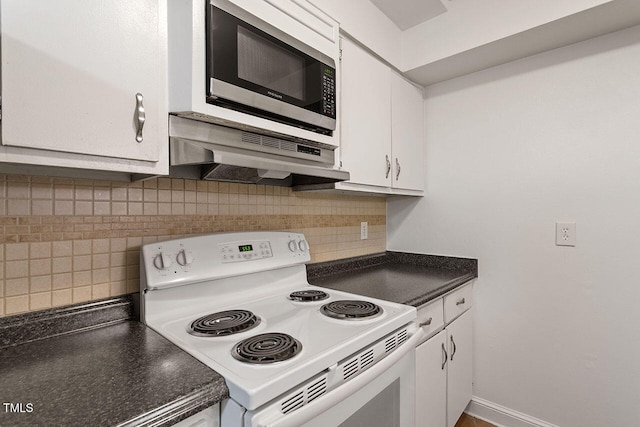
<point>62,281</point>
<point>61,297</point>
<point>100,246</point>
<point>40,301</point>
<point>150,183</point>
<point>119,194</point>
<point>81,278</point>
<point>63,191</point>
<point>82,294</point>
<point>14,305</point>
<point>100,291</point>
<point>102,193</point>
<point>83,208</point>
<point>15,269</point>
<point>100,261</point>
<point>18,190</point>
<point>81,262</point>
<point>39,267</point>
<point>16,251</point>
<point>164,183</point>
<point>41,207</point>
<point>100,276</point>
<point>19,286</point>
<point>101,208</point>
<point>135,208</point>
<point>135,195</point>
<point>40,283</point>
<point>119,208</point>
<point>40,250</point>
<point>18,207</point>
<point>150,195</point>
<point>63,207</point>
<point>62,265</point>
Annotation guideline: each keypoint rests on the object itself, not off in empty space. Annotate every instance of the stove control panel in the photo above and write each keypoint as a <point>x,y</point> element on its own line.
<point>199,258</point>
<point>245,251</point>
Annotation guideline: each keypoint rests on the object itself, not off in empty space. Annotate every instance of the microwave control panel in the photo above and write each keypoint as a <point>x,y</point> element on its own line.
<point>329,92</point>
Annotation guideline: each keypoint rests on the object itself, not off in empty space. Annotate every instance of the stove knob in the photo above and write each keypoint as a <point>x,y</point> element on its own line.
<point>184,258</point>
<point>162,261</point>
<point>302,244</point>
<point>292,245</point>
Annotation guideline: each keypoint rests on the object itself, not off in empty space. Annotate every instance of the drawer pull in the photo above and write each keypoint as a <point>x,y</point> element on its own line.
<point>445,356</point>
<point>460,302</point>
<point>454,348</point>
<point>426,322</point>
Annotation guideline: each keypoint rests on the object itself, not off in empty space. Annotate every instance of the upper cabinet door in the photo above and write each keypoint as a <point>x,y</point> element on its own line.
<point>365,116</point>
<point>83,77</point>
<point>407,124</point>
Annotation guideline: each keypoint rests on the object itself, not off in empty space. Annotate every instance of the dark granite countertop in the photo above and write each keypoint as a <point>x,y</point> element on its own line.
<point>95,365</point>
<point>412,279</point>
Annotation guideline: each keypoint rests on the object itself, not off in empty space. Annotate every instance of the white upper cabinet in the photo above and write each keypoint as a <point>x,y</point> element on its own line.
<point>407,136</point>
<point>365,117</point>
<point>382,125</point>
<point>84,84</point>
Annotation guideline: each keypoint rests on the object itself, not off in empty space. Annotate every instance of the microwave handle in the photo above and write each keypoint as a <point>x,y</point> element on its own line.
<point>322,404</point>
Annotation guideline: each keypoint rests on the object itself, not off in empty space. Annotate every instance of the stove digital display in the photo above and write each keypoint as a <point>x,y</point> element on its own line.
<point>245,248</point>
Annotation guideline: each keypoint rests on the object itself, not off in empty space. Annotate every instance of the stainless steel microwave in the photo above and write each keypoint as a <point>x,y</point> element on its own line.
<point>258,69</point>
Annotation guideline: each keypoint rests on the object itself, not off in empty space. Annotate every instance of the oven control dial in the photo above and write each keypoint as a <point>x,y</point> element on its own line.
<point>303,246</point>
<point>292,245</point>
<point>162,261</point>
<point>184,258</point>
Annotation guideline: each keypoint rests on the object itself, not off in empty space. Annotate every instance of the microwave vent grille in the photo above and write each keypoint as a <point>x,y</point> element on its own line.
<point>278,143</point>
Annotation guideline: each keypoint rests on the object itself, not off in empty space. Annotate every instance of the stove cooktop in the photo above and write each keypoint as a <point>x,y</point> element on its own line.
<point>214,307</point>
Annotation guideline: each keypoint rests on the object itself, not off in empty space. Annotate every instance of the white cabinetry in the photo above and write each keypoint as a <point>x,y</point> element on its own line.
<point>84,85</point>
<point>382,123</point>
<point>444,360</point>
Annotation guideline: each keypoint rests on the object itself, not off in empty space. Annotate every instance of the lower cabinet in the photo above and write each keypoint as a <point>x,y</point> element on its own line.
<point>444,364</point>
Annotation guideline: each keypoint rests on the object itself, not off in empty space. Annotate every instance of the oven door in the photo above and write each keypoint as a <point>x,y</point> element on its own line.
<point>381,396</point>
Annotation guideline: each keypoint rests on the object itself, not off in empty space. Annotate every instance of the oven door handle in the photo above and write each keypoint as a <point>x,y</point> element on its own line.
<point>320,405</point>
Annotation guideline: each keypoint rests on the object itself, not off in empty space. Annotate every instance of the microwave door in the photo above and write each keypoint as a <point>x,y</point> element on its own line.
<point>260,72</point>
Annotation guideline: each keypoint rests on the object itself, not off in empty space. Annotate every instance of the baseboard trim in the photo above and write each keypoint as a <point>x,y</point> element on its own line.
<point>502,416</point>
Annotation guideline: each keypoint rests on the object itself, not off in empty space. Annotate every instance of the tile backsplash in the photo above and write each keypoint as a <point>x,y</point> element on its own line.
<point>65,240</point>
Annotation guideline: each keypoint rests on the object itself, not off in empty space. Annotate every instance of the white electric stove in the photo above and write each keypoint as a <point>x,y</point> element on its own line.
<point>241,304</point>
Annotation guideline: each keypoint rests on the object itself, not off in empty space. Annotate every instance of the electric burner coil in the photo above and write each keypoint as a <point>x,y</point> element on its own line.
<point>266,348</point>
<point>308,295</point>
<point>224,323</point>
<point>351,309</point>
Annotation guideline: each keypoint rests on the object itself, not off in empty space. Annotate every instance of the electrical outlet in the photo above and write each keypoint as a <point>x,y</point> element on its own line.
<point>364,230</point>
<point>565,233</point>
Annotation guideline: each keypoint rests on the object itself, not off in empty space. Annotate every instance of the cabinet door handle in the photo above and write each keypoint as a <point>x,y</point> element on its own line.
<point>454,347</point>
<point>444,358</point>
<point>426,322</point>
<point>388,166</point>
<point>460,302</point>
<point>140,117</point>
<point>397,169</point>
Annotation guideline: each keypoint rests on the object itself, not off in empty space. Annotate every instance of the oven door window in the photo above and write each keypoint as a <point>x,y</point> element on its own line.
<point>382,410</point>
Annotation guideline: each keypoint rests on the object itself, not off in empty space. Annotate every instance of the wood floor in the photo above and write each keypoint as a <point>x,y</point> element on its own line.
<point>469,421</point>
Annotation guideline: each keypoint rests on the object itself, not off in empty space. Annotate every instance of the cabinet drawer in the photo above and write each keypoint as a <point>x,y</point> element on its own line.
<point>458,302</point>
<point>430,317</point>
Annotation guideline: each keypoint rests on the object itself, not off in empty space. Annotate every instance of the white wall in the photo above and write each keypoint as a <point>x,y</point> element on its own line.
<point>510,151</point>
<point>468,24</point>
<point>367,24</point>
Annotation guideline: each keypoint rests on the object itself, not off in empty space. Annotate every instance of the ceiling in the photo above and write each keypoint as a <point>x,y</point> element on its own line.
<point>407,13</point>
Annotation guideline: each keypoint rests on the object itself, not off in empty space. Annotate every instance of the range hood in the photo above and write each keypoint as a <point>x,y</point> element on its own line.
<point>208,150</point>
